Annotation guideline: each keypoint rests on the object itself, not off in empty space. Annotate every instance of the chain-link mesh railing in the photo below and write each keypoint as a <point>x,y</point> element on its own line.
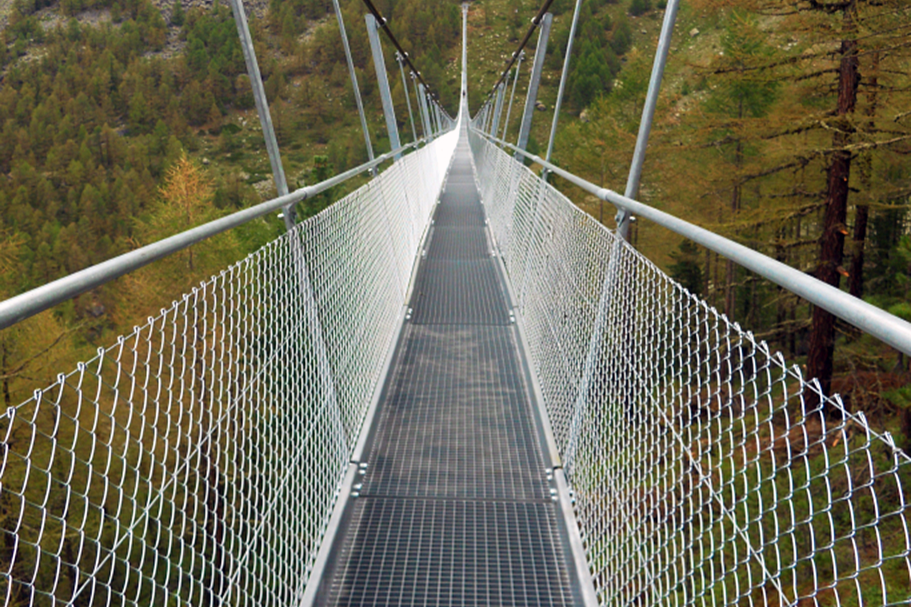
<point>703,467</point>
<point>196,461</point>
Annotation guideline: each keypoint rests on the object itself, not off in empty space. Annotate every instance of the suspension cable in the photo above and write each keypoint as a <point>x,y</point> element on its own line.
<point>534,25</point>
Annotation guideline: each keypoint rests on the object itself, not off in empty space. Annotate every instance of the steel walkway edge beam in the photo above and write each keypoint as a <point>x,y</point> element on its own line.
<point>358,455</point>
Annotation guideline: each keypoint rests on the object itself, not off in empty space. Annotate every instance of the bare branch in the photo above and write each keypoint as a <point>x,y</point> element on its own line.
<point>17,370</point>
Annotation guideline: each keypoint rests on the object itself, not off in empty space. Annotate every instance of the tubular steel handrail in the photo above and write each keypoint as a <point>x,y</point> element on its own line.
<point>866,317</point>
<point>20,307</point>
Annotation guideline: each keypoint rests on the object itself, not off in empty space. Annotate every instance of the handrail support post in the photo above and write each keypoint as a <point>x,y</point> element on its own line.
<point>532,96</point>
<point>385,95</point>
<point>414,132</point>
<point>648,113</point>
<point>262,106</point>
<point>353,75</point>
<point>564,76</point>
<point>512,95</point>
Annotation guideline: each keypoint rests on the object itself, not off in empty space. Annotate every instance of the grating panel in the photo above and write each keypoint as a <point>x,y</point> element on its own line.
<point>458,292</point>
<point>459,215</point>
<point>458,243</point>
<point>436,552</point>
<point>456,422</point>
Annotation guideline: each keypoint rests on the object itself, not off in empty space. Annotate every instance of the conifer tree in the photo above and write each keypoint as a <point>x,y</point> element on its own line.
<point>740,97</point>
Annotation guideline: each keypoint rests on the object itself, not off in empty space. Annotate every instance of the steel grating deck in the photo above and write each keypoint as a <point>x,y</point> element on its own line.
<point>456,506</point>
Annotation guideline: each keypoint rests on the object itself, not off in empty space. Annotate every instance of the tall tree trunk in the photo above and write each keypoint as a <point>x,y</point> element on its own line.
<point>856,276</point>
<point>832,242</point>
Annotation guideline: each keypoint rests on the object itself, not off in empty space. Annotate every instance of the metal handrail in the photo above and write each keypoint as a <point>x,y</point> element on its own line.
<point>866,317</point>
<point>20,307</point>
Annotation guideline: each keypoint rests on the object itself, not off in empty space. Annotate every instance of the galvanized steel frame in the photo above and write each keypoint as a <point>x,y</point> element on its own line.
<point>564,76</point>
<point>352,74</point>
<point>414,133</point>
<point>199,458</point>
<point>512,95</point>
<point>648,113</point>
<point>866,317</point>
<point>262,105</point>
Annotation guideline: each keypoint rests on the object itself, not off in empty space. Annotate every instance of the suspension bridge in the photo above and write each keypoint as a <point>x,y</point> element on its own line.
<point>451,387</point>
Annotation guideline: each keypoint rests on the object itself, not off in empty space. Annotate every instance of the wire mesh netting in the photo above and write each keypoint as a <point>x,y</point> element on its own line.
<point>197,460</point>
<point>705,469</point>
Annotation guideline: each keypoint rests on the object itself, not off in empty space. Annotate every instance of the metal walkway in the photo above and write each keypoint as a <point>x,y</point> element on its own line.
<point>455,506</point>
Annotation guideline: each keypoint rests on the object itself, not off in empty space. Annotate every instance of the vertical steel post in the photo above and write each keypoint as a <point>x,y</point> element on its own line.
<point>515,80</point>
<point>425,113</point>
<point>414,132</point>
<point>648,113</point>
<point>494,106</point>
<point>438,112</point>
<point>498,109</point>
<point>353,75</point>
<point>417,102</point>
<point>262,106</point>
<point>563,77</point>
<point>430,117</point>
<point>532,95</point>
<point>385,95</point>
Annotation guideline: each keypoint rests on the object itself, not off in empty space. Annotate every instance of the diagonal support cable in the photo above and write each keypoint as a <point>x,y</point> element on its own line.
<point>414,133</point>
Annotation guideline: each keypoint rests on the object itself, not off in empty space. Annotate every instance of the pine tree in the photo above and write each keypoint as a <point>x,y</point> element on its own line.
<point>178,17</point>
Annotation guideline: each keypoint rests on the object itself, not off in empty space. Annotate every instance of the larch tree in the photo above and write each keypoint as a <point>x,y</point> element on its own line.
<point>843,74</point>
<point>740,99</point>
<point>862,35</point>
